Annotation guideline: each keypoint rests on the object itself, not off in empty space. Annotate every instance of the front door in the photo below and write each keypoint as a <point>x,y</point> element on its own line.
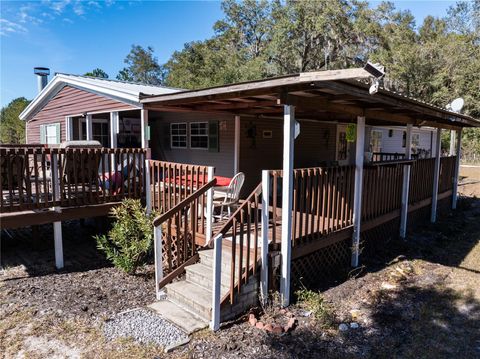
<point>343,148</point>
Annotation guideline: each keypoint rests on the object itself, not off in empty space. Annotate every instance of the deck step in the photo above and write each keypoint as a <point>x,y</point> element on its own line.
<point>202,275</point>
<point>192,296</point>
<point>206,258</point>
<point>179,315</point>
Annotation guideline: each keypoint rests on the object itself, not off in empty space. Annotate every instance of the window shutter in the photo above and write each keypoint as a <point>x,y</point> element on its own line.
<point>43,139</point>
<point>213,137</point>
<point>59,135</point>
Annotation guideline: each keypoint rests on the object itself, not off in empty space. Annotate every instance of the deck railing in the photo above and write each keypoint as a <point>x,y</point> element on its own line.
<point>36,178</point>
<point>447,173</point>
<point>322,201</point>
<point>171,183</point>
<point>175,236</point>
<point>382,190</point>
<point>421,180</point>
<point>389,156</point>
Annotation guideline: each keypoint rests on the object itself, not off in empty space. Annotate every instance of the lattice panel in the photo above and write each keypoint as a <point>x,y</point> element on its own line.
<point>376,239</point>
<point>322,266</point>
<point>180,251</point>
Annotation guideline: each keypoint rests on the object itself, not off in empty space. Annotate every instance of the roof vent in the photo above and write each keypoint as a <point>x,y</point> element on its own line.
<point>42,77</point>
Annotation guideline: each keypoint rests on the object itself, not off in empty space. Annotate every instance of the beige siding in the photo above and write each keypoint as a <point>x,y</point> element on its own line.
<point>160,141</point>
<point>69,101</point>
<point>316,143</point>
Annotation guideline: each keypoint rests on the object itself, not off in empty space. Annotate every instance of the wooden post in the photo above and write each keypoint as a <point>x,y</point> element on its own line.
<point>113,129</point>
<point>236,154</point>
<point>209,210</point>
<point>89,127</point>
<point>264,240</point>
<point>287,198</point>
<point>57,226</point>
<point>406,183</point>
<point>457,170</point>
<point>217,281</point>
<point>68,128</point>
<point>358,188</point>
<point>157,248</point>
<point>436,175</point>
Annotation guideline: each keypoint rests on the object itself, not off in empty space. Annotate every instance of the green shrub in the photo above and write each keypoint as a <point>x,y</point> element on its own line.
<point>314,302</point>
<point>130,240</point>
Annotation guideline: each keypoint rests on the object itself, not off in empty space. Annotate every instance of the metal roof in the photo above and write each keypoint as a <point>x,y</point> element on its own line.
<point>127,92</point>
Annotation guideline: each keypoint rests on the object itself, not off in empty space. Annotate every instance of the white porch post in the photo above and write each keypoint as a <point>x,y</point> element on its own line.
<point>287,198</point>
<point>406,183</point>
<point>144,126</point>
<point>89,125</point>
<point>68,128</point>
<point>209,209</point>
<point>57,226</point>
<point>358,188</point>
<point>157,248</point>
<point>264,240</point>
<point>236,152</point>
<point>113,129</point>
<point>457,169</point>
<point>436,175</point>
<point>452,142</point>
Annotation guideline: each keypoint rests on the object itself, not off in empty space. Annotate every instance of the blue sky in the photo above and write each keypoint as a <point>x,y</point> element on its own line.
<point>77,36</point>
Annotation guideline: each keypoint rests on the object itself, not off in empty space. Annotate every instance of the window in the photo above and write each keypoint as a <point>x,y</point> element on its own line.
<point>50,134</point>
<point>376,141</point>
<point>178,135</point>
<point>100,132</point>
<point>199,135</point>
<point>415,142</point>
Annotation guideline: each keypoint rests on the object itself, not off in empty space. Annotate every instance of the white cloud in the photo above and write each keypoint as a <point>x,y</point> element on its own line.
<point>9,27</point>
<point>67,20</point>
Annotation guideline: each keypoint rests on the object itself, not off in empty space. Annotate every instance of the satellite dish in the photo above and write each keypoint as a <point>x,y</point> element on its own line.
<point>457,104</point>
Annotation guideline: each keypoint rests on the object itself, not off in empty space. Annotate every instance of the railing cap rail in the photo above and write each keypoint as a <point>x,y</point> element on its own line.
<point>164,216</point>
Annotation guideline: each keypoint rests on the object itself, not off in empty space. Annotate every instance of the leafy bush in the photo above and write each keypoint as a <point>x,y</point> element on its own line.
<point>131,238</point>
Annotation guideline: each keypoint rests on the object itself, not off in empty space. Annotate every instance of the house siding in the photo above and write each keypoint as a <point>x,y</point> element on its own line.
<point>69,101</point>
<point>394,144</point>
<point>222,159</point>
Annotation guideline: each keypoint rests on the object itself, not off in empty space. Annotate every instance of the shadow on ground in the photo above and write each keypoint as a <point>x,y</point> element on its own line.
<point>35,250</point>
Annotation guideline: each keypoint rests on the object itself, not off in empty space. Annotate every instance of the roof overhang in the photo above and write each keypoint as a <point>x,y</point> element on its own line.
<point>341,95</point>
<point>122,92</point>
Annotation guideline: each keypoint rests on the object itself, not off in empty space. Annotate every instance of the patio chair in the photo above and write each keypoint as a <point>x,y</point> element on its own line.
<point>229,197</point>
<point>80,170</point>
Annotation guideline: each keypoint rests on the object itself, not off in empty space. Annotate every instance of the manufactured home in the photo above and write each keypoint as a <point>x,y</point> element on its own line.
<point>315,173</point>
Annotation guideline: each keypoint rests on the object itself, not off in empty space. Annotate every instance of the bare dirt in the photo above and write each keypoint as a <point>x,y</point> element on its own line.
<point>417,299</point>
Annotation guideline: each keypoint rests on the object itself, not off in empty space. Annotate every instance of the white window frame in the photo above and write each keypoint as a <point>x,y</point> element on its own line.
<point>196,135</point>
<point>172,135</point>
<point>57,139</point>
<point>381,140</point>
<point>94,120</point>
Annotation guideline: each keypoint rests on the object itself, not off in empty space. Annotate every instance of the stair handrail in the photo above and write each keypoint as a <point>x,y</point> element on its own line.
<point>161,281</point>
<point>244,210</point>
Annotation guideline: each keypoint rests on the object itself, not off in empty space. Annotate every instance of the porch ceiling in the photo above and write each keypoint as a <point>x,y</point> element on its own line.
<point>339,95</point>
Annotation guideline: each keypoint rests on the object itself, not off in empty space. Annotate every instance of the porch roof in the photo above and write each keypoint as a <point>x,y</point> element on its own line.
<point>339,95</point>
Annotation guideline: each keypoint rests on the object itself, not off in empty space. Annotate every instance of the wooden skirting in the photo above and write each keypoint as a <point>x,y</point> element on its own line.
<point>320,243</point>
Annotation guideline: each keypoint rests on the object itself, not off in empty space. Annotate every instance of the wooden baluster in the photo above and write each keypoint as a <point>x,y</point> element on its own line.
<point>104,179</point>
<point>256,234</point>
<point>274,207</point>
<point>232,269</point>
<point>169,245</point>
<point>241,249</point>
<point>249,231</point>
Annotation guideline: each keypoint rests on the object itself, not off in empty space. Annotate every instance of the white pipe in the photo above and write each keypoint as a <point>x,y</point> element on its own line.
<point>287,199</point>
<point>358,189</point>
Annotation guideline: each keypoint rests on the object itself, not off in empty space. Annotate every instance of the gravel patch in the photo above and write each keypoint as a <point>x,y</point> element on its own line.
<point>145,327</point>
